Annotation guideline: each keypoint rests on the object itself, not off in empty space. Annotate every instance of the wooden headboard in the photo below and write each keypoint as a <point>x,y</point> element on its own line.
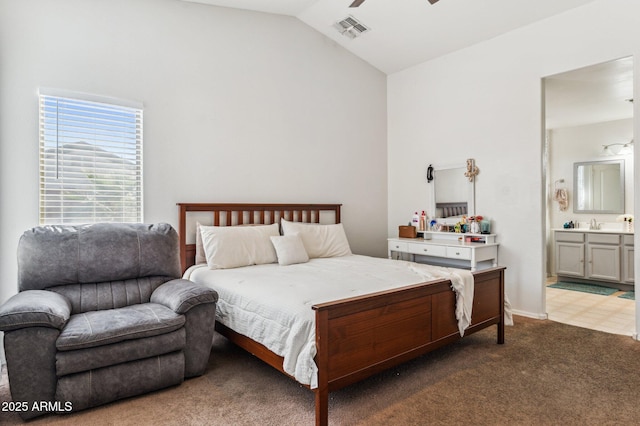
<point>452,209</point>
<point>231,214</point>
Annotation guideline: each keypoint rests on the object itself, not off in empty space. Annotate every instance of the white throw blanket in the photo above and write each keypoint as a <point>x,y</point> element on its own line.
<point>462,283</point>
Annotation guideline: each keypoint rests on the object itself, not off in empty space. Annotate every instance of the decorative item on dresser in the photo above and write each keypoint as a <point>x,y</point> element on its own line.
<point>355,337</point>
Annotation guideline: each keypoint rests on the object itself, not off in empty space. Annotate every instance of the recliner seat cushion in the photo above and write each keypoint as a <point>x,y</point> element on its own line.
<point>69,362</point>
<point>97,328</point>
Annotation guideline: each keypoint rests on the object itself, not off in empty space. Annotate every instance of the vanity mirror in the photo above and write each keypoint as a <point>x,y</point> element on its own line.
<point>599,186</point>
<point>453,192</point>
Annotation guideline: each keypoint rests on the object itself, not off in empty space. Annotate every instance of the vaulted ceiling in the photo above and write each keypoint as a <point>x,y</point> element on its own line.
<point>403,33</point>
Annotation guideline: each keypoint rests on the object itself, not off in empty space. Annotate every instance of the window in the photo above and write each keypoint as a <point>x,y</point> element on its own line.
<point>90,160</point>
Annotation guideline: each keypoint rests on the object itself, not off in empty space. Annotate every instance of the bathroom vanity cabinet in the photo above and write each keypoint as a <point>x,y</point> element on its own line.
<point>605,257</point>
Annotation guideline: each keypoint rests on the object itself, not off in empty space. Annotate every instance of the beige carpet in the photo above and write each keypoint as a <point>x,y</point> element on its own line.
<point>546,374</point>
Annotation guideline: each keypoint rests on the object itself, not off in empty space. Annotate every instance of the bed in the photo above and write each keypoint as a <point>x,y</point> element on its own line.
<point>354,337</point>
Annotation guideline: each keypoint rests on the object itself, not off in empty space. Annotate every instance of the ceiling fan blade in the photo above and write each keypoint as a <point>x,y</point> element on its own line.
<point>433,1</point>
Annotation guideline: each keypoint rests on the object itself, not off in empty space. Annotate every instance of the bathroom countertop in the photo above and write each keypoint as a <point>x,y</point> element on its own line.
<point>599,231</point>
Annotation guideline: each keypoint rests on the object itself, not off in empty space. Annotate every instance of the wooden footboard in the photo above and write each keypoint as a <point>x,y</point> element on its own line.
<point>361,336</point>
<point>364,335</point>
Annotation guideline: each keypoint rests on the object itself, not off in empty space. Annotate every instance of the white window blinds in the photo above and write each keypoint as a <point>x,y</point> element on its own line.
<point>90,161</point>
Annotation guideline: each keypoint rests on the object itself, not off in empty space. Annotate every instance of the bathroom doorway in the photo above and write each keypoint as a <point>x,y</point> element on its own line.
<point>588,119</point>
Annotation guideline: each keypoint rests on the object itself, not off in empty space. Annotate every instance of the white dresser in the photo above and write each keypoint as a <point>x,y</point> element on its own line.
<point>448,248</point>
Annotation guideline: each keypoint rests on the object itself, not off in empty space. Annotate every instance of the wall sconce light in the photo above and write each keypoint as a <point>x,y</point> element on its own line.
<point>617,148</point>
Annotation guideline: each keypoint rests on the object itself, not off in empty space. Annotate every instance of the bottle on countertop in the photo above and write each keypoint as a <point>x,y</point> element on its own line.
<point>416,220</point>
<point>423,221</point>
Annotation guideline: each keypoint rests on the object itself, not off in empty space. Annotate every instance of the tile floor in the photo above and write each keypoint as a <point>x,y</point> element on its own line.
<point>610,314</point>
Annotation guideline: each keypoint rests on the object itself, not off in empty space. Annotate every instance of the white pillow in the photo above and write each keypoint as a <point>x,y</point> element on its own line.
<point>235,246</point>
<point>200,256</point>
<point>319,240</point>
<point>289,249</point>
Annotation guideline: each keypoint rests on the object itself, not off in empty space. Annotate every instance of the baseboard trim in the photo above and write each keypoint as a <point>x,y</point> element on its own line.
<point>529,314</point>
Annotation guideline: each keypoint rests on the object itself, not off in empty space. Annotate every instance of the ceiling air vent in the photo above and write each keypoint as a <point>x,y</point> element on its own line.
<point>350,27</point>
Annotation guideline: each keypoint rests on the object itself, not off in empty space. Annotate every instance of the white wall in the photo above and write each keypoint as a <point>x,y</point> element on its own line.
<point>485,102</point>
<point>238,107</point>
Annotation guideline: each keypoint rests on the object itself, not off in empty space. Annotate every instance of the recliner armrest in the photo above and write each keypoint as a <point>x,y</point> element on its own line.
<point>35,308</point>
<point>180,295</point>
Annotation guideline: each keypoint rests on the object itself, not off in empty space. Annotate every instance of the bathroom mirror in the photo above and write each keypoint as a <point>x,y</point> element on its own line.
<point>599,186</point>
<point>454,194</point>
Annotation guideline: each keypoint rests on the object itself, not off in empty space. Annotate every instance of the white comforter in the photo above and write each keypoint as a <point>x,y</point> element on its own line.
<point>271,304</point>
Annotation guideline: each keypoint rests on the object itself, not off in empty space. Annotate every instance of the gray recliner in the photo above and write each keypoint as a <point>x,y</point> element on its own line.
<point>102,314</point>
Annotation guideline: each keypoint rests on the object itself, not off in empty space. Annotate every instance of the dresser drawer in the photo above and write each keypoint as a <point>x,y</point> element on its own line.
<point>459,253</point>
<point>398,246</point>
<point>427,249</point>
<point>628,240</point>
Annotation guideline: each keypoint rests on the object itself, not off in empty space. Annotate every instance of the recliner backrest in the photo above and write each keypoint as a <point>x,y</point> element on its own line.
<point>109,295</point>
<point>99,254</point>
